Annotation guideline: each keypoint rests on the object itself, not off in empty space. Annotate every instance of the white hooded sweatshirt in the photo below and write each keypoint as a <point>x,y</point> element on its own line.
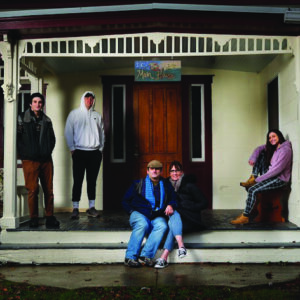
<point>84,128</point>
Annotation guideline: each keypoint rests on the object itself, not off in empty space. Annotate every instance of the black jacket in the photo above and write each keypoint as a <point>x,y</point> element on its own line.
<point>134,200</point>
<point>35,137</point>
<point>190,203</point>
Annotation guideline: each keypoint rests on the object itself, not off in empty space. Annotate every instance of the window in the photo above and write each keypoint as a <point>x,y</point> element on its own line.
<point>118,138</point>
<point>197,123</point>
<point>23,100</point>
<point>23,104</point>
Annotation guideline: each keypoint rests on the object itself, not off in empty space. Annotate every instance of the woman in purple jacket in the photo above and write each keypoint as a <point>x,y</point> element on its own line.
<point>272,166</point>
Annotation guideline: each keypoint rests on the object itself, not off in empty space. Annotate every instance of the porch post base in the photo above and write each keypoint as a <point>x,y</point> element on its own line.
<point>9,222</point>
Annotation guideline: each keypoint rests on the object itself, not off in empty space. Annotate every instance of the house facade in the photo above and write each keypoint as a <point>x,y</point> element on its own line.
<point>240,76</point>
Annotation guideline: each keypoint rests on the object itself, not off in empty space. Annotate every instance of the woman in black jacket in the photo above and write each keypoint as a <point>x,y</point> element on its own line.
<point>190,203</point>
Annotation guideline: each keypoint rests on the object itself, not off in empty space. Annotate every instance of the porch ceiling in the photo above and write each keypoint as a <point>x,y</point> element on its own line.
<point>244,63</point>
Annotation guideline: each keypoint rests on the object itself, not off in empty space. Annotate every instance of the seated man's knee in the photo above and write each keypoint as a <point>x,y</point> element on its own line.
<point>142,226</point>
<point>139,223</point>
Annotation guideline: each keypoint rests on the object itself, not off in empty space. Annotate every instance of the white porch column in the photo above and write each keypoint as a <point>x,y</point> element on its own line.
<point>36,84</point>
<point>294,206</point>
<point>9,52</point>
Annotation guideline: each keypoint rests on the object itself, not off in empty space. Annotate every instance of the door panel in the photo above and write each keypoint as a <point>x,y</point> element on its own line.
<point>157,125</point>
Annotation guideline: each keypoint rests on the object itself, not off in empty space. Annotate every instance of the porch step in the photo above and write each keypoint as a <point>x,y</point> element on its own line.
<point>104,240</point>
<point>106,255</point>
<point>215,237</point>
<point>124,246</point>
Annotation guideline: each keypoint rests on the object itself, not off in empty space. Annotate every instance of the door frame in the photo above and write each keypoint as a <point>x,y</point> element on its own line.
<point>117,177</point>
<point>202,169</point>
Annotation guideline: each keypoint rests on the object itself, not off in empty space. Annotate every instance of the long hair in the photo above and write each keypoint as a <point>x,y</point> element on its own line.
<point>270,149</point>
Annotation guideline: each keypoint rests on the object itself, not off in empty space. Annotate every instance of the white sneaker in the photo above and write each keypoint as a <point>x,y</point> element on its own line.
<point>182,252</point>
<point>161,263</point>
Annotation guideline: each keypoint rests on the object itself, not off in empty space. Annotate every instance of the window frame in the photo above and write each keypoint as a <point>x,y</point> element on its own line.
<point>202,137</point>
<point>112,158</point>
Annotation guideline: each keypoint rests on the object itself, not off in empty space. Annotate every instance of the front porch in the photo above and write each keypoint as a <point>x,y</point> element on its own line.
<point>104,240</point>
<point>236,85</point>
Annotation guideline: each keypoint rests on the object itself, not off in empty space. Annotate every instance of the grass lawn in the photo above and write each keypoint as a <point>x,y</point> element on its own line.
<point>286,291</point>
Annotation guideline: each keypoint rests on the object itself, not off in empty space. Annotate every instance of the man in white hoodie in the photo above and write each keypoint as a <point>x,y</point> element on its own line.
<point>84,133</point>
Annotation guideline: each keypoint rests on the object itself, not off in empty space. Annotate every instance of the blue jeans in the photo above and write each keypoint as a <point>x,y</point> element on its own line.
<point>175,228</point>
<point>142,226</point>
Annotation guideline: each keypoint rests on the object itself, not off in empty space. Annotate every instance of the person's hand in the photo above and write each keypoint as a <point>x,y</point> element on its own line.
<point>251,162</point>
<point>169,210</point>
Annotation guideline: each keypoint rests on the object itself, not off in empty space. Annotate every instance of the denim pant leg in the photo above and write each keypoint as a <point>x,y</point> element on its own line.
<point>140,227</point>
<point>175,228</point>
<point>160,227</point>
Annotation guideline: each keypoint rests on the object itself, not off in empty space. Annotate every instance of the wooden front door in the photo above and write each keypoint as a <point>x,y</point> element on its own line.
<point>157,125</point>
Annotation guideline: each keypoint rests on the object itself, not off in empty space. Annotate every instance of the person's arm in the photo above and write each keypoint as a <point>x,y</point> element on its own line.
<point>171,195</point>
<point>126,201</point>
<point>169,211</point>
<point>255,154</point>
<point>133,201</point>
<point>19,134</point>
<point>195,199</point>
<point>69,133</point>
<point>52,137</point>
<point>198,197</point>
<point>102,134</point>
<point>278,166</point>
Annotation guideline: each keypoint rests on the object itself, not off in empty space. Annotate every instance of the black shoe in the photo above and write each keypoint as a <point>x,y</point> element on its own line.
<point>92,212</point>
<point>145,261</point>
<point>34,223</point>
<point>132,263</point>
<point>52,223</point>
<point>75,214</point>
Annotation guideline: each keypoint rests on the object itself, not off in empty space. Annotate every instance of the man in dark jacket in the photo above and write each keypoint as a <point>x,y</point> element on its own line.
<point>148,201</point>
<point>35,143</point>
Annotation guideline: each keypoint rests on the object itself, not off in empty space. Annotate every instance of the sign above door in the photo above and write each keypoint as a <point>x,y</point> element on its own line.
<point>154,71</point>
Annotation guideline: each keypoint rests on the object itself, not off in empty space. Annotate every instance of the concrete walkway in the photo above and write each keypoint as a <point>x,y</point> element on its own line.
<point>79,276</point>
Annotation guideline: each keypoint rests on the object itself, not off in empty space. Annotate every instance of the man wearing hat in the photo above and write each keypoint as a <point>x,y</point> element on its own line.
<point>148,201</point>
<point>35,143</point>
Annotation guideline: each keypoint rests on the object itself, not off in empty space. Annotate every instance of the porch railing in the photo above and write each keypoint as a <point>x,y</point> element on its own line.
<point>162,44</point>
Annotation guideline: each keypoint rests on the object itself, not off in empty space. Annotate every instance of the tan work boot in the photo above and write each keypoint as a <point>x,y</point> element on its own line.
<point>250,182</point>
<point>240,220</point>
